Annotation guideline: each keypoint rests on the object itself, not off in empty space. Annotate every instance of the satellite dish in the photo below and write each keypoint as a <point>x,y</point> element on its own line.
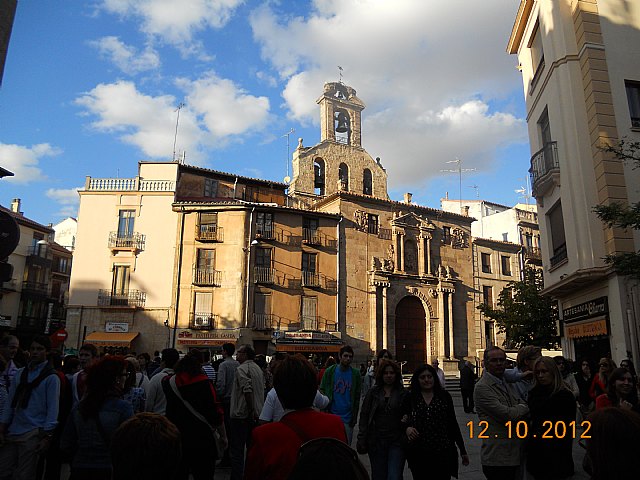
<point>287,179</point>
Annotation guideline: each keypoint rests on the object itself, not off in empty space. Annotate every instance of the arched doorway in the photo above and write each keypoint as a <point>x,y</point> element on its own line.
<point>411,332</point>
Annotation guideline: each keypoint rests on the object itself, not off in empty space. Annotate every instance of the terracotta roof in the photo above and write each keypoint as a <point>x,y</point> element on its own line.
<point>22,220</point>
<point>497,242</point>
<point>361,196</point>
<point>233,175</point>
<point>227,203</point>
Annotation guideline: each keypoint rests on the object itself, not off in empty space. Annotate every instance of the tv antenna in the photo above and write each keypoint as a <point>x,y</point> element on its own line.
<point>459,171</point>
<point>340,72</point>
<point>175,137</point>
<point>525,192</point>
<point>287,179</point>
<point>477,189</point>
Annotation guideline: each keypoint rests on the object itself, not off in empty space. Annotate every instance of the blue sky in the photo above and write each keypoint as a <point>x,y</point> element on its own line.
<point>91,88</point>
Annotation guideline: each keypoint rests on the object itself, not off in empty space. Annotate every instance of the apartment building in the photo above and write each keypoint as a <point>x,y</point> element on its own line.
<point>33,300</point>
<point>581,77</point>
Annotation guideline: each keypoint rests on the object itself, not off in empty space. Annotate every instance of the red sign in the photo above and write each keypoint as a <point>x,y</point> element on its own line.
<point>58,337</point>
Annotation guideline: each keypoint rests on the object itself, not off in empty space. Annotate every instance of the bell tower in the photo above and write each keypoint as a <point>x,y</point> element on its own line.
<point>340,114</point>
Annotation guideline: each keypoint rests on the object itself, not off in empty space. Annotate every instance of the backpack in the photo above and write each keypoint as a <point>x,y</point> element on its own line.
<point>322,458</point>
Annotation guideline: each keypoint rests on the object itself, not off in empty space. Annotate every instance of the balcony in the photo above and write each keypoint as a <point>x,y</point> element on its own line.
<point>207,277</point>
<point>39,255</point>
<point>310,279</point>
<point>35,288</point>
<point>532,254</point>
<point>134,242</point>
<point>126,298</point>
<point>129,185</point>
<point>264,232</point>
<point>559,256</point>
<point>385,233</point>
<point>209,233</point>
<point>264,275</point>
<point>203,321</point>
<point>311,236</point>
<point>544,166</point>
<point>316,324</point>
<point>263,321</point>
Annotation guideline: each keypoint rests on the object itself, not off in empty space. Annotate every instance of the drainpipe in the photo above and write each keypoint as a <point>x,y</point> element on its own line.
<point>338,280</point>
<point>246,299</point>
<point>177,303</point>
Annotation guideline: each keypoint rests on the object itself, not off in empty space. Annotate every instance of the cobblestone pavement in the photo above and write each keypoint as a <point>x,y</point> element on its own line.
<point>474,470</point>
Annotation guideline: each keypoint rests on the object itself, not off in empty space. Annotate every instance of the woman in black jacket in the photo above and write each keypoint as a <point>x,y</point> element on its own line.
<point>432,428</point>
<point>193,407</point>
<point>551,404</point>
<point>380,429</point>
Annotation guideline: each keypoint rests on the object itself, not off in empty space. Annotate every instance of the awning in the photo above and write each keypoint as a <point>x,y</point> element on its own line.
<point>590,328</point>
<point>109,339</point>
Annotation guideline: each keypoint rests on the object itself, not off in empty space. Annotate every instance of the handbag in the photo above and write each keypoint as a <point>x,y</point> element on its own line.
<point>220,447</point>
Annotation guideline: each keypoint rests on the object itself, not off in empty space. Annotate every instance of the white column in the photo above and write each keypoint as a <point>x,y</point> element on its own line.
<point>385,319</point>
<point>450,306</point>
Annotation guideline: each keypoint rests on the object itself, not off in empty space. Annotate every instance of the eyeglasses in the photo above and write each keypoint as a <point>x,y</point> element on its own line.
<point>497,360</point>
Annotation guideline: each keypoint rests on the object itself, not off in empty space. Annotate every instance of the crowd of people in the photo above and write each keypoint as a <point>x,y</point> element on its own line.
<point>173,416</point>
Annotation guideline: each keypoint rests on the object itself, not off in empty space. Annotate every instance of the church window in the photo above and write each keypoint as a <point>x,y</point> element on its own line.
<point>367,182</point>
<point>343,177</point>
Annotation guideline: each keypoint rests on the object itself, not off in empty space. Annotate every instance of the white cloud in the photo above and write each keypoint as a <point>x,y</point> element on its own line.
<point>24,162</point>
<point>225,108</point>
<point>144,121</point>
<point>433,75</point>
<point>125,57</point>
<point>216,112</point>
<point>68,199</point>
<point>173,21</point>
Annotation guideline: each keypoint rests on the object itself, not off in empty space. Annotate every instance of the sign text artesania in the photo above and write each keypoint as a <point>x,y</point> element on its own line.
<point>592,308</point>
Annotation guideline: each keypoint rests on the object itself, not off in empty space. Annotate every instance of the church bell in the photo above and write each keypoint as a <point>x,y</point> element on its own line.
<point>343,122</point>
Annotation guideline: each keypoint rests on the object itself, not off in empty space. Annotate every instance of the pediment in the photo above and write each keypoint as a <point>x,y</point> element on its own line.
<point>410,220</point>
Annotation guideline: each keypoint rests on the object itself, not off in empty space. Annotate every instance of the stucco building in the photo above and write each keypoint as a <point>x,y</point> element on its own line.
<point>580,63</point>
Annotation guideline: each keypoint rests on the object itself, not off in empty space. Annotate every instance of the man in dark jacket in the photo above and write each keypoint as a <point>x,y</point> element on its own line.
<point>468,378</point>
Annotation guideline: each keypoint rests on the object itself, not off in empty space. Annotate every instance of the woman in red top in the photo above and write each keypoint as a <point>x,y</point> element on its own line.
<point>599,384</point>
<point>621,392</point>
<point>274,448</point>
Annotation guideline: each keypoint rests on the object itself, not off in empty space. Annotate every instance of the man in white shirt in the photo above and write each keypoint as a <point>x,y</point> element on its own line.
<point>156,401</point>
<point>435,364</point>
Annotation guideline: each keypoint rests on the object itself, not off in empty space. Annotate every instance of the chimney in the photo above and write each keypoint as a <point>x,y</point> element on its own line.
<point>15,206</point>
<point>407,197</point>
<point>465,210</point>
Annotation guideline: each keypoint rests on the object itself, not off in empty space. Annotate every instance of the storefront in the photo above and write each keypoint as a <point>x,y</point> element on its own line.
<point>211,339</point>
<point>317,346</point>
<point>587,326</point>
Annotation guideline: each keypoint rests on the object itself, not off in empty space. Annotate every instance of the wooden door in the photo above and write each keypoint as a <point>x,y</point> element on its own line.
<point>411,333</point>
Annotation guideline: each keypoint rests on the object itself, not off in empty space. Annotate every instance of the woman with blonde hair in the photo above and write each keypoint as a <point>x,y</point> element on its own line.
<point>606,366</point>
<point>551,404</point>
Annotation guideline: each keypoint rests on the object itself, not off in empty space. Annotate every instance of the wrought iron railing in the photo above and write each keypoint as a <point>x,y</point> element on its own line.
<point>311,236</point>
<point>264,232</point>
<point>310,279</point>
<point>206,276</point>
<point>263,321</point>
<point>532,253</point>
<point>559,255</point>
<point>203,321</point>
<point>135,241</point>
<point>209,233</point>
<point>35,288</point>
<point>265,275</point>
<point>544,161</point>
<point>126,298</point>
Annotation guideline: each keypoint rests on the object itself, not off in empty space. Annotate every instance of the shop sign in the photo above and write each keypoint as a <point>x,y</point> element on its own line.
<point>117,327</point>
<point>306,348</point>
<point>5,320</point>
<point>211,337</point>
<point>587,329</point>
<point>593,308</point>
<point>323,336</point>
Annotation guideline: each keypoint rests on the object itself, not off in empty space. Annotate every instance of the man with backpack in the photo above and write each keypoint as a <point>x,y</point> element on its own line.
<point>305,443</point>
<point>31,414</point>
<point>342,384</point>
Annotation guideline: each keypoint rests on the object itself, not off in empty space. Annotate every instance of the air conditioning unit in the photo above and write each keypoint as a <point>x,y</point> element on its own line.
<point>201,321</point>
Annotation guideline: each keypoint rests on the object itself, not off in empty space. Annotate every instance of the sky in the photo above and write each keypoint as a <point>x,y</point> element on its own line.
<point>92,87</point>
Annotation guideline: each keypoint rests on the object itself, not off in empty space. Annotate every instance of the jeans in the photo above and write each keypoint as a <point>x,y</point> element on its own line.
<point>349,431</point>
<point>499,473</point>
<point>240,433</point>
<point>387,460</point>
<point>18,456</point>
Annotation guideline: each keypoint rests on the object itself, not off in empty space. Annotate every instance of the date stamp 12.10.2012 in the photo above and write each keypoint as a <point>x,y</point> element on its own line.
<point>520,430</point>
